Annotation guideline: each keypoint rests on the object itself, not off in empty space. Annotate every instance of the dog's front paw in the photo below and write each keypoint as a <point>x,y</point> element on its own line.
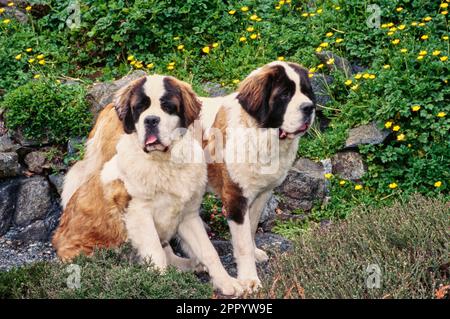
<point>229,286</point>
<point>250,285</point>
<point>260,255</point>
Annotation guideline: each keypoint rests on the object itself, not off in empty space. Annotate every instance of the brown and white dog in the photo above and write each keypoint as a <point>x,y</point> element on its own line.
<point>263,121</point>
<point>129,187</point>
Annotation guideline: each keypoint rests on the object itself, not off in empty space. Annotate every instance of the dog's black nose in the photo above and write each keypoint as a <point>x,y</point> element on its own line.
<point>308,109</point>
<point>152,121</point>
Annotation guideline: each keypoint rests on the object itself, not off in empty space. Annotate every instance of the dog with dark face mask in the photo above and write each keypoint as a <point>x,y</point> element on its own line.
<point>252,139</point>
<point>131,188</point>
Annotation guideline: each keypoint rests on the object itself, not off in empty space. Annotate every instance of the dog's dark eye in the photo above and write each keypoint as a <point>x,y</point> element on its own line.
<point>168,107</point>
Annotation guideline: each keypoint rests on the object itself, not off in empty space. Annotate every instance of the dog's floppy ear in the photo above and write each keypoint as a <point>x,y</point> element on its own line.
<point>125,99</point>
<point>256,90</point>
<point>190,104</point>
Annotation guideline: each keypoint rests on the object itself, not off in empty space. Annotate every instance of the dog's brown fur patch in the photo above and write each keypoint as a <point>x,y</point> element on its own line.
<point>92,218</point>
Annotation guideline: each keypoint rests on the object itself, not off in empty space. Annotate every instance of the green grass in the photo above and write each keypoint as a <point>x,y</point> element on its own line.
<point>108,275</point>
<point>408,241</point>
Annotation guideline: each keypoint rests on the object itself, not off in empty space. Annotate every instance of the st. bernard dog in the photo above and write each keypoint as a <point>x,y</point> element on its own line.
<point>130,187</point>
<point>263,120</point>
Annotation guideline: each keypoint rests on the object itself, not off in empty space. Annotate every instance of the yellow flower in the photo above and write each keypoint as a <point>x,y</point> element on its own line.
<point>280,58</point>
<point>401,27</point>
<point>281,2</point>
<point>443,58</point>
<point>342,183</point>
<point>436,52</point>
<point>441,114</point>
<point>355,87</point>
<point>29,49</point>
<point>242,39</point>
<point>130,58</point>
<point>337,8</point>
<point>324,44</point>
<point>445,37</point>
<point>427,19</point>
<point>244,9</point>
<point>310,75</point>
<point>386,66</point>
<point>253,36</point>
<point>329,34</point>
<point>180,47</point>
<point>138,65</point>
<point>396,128</point>
<point>42,62</point>
<point>6,21</point>
<point>401,137</point>
<point>396,41</point>
<point>258,20</point>
<point>390,24</point>
<point>150,65</point>
<point>339,40</point>
<point>236,81</point>
<point>330,61</point>
<point>19,56</point>
<point>318,49</point>
<point>172,64</point>
<point>424,37</point>
<point>393,185</point>
<point>328,175</point>
<point>420,57</point>
<point>403,50</point>
<point>2,10</point>
<point>444,5</point>
<point>438,184</point>
<point>390,33</point>
<point>31,60</point>
<point>250,29</point>
<point>305,14</point>
<point>415,108</point>
<point>133,62</point>
<point>320,66</point>
<point>384,25</point>
<point>170,67</point>
<point>232,12</point>
<point>10,4</point>
<point>444,12</point>
<point>372,76</point>
<point>399,9</point>
<point>421,24</point>
<point>253,17</point>
<point>215,44</point>
<point>348,82</point>
<point>358,76</point>
<point>358,187</point>
<point>36,76</point>
<point>176,38</point>
<point>393,29</point>
<point>423,52</point>
<point>277,7</point>
<point>28,8</point>
<point>414,23</point>
<point>366,75</point>
<point>319,10</point>
<point>388,124</point>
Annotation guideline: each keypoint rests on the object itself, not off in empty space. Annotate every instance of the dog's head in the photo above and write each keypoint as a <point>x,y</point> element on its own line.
<point>279,95</point>
<point>155,107</point>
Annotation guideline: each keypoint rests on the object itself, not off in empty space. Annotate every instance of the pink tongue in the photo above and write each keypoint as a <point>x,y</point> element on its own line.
<point>304,127</point>
<point>151,139</point>
<point>283,134</point>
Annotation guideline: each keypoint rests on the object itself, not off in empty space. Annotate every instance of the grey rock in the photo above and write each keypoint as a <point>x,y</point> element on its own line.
<point>214,89</point>
<point>36,161</point>
<point>348,165</point>
<point>101,94</point>
<point>272,242</point>
<point>366,134</point>
<point>36,231</point>
<point>33,201</point>
<point>319,83</point>
<point>15,253</point>
<point>8,191</point>
<point>57,181</point>
<point>13,12</point>
<point>7,144</point>
<point>26,142</point>
<point>303,187</point>
<point>339,62</point>
<point>268,215</point>
<point>9,164</point>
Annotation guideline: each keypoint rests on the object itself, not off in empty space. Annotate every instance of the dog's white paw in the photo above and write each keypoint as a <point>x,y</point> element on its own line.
<point>251,285</point>
<point>260,255</point>
<point>229,286</point>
